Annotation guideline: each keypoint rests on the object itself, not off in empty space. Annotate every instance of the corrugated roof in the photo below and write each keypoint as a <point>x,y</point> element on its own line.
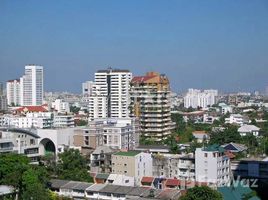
<point>57,183</point>
<point>76,185</point>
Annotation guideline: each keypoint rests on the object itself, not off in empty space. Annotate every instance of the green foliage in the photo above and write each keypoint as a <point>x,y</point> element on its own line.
<point>202,193</point>
<point>74,109</point>
<point>73,166</point>
<point>12,167</point>
<point>230,134</point>
<point>81,123</point>
<point>178,119</point>
<point>33,185</point>
<point>29,180</point>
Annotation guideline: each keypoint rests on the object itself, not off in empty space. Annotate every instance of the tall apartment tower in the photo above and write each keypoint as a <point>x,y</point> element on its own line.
<point>87,88</point>
<point>97,104</point>
<point>197,98</point>
<point>1,88</point>
<point>113,85</point>
<point>32,88</point>
<point>13,92</point>
<point>150,101</point>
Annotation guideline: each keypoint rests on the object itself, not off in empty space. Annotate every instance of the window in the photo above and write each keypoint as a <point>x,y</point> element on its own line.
<point>32,142</point>
<point>206,155</point>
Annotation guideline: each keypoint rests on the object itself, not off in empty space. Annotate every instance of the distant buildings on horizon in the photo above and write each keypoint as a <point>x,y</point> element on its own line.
<point>27,90</point>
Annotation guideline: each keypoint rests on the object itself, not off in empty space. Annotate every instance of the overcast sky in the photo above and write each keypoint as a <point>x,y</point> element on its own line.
<point>201,44</point>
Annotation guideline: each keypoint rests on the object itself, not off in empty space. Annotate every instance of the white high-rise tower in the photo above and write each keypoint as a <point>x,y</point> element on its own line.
<point>32,88</point>
<point>110,96</point>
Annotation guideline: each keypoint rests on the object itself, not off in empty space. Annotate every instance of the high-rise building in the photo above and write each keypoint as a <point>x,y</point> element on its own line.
<point>150,101</point>
<point>110,94</point>
<point>87,88</point>
<point>97,104</point>
<point>13,92</point>
<point>3,103</point>
<point>32,86</point>
<point>1,88</point>
<point>196,98</point>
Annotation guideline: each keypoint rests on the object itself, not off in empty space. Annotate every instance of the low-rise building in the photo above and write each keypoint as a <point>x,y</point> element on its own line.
<point>117,133</point>
<point>235,119</point>
<point>20,141</point>
<point>63,121</point>
<point>132,163</point>
<point>249,130</point>
<point>101,160</point>
<point>174,166</point>
<point>212,165</point>
<point>200,136</point>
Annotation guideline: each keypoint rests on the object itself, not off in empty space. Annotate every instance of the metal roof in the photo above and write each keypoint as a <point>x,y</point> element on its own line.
<point>19,130</point>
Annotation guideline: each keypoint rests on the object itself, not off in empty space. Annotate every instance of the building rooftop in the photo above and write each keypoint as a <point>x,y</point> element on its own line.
<point>147,179</point>
<point>248,128</point>
<point>102,176</point>
<point>127,153</point>
<point>214,147</point>
<point>31,109</point>
<point>57,183</point>
<point>113,70</point>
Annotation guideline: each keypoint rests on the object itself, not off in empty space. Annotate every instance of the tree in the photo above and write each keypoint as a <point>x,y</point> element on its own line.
<point>229,134</point>
<point>73,166</point>
<point>33,185</point>
<point>202,193</point>
<point>12,167</point>
<point>29,180</point>
<point>81,123</point>
<point>74,109</point>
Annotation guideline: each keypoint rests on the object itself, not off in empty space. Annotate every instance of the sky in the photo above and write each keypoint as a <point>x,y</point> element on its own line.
<point>197,44</point>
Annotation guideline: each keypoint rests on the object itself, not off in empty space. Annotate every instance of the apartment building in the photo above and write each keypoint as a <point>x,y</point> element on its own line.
<point>101,160</point>
<point>150,102</point>
<point>61,106</point>
<point>120,133</point>
<point>212,165</point>
<point>13,92</point>
<point>31,86</point>
<point>111,98</point>
<point>63,121</point>
<point>3,103</point>
<point>31,120</point>
<point>97,103</point>
<point>197,98</point>
<point>132,163</point>
<point>87,88</point>
<point>19,141</point>
<point>177,166</point>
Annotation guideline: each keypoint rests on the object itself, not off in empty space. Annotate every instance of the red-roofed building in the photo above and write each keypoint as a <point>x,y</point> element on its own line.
<point>31,109</point>
<point>150,101</point>
<point>147,181</point>
<point>172,183</point>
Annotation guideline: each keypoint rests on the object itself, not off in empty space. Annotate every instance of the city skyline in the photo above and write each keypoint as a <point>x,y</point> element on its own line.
<point>219,45</point>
